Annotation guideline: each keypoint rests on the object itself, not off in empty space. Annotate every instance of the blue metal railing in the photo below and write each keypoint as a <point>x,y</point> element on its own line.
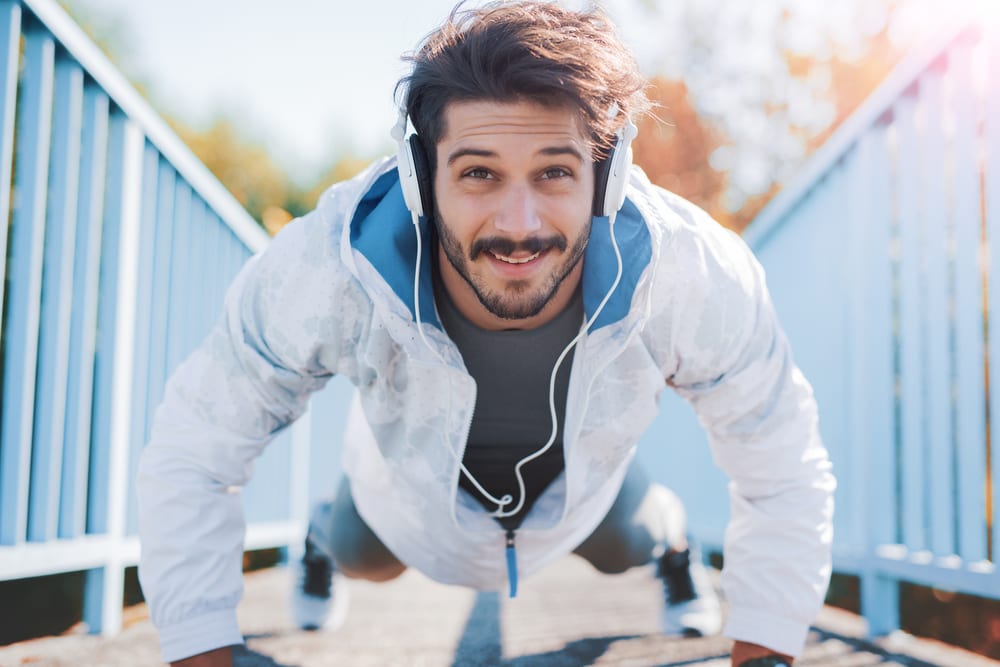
<point>121,245</point>
<point>881,259</point>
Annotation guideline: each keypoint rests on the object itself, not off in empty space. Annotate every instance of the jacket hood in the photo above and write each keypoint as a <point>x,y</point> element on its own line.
<point>382,231</point>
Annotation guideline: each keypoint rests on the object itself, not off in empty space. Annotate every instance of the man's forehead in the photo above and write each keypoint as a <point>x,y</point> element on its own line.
<point>471,120</point>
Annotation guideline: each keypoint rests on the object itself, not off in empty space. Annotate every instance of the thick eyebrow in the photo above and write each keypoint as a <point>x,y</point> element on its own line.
<point>475,152</point>
<point>480,152</point>
<point>563,150</point>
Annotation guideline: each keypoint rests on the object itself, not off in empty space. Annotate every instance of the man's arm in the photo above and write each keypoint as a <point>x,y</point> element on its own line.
<point>729,358</point>
<point>251,377</point>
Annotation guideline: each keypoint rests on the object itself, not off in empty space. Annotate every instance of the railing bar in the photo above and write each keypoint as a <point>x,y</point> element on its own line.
<point>25,284</point>
<point>34,559</point>
<point>142,320</point>
<point>57,302</point>
<point>103,613</point>
<point>180,274</point>
<point>960,579</point>
<point>162,273</point>
<point>939,497</point>
<point>991,129</point>
<point>84,325</point>
<point>210,302</point>
<point>198,261</point>
<point>159,134</point>
<point>874,363</point>
<point>10,32</point>
<point>872,371</point>
<point>970,383</point>
<point>118,180</point>
<point>912,330</point>
<point>233,256</point>
<point>154,373</point>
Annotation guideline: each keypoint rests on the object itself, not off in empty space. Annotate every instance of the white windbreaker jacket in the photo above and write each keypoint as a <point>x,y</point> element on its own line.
<point>333,294</point>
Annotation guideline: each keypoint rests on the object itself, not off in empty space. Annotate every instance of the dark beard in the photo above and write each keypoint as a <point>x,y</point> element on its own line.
<point>506,305</point>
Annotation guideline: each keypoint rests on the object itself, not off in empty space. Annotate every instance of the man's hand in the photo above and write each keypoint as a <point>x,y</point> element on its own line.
<point>743,651</point>
<point>220,657</point>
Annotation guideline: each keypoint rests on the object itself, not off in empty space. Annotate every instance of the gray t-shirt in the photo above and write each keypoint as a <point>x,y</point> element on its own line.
<point>512,370</point>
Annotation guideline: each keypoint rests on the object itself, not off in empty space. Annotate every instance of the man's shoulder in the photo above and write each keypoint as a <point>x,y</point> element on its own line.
<point>682,231</point>
<point>669,213</point>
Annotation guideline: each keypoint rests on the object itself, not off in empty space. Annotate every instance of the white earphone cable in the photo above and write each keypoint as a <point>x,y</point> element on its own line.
<point>507,499</point>
<point>500,513</point>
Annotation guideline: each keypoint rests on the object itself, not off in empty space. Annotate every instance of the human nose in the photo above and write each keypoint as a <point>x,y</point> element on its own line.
<point>519,212</point>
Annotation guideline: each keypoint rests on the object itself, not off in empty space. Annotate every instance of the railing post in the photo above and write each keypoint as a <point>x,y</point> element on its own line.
<point>103,600</point>
<point>873,430</point>
<point>879,600</point>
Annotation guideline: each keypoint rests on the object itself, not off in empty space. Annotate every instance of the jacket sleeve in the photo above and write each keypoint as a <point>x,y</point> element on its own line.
<point>251,376</point>
<point>732,362</point>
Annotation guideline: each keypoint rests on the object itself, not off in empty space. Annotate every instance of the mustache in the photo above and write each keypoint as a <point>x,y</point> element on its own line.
<point>504,246</point>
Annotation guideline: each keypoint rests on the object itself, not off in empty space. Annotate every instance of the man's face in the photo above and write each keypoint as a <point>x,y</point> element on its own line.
<point>513,189</point>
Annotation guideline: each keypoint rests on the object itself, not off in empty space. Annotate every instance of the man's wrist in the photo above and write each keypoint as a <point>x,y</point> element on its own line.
<point>220,657</point>
<point>746,654</point>
<point>767,661</point>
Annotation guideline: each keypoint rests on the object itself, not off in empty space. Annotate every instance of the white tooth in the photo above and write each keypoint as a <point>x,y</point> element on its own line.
<point>511,260</point>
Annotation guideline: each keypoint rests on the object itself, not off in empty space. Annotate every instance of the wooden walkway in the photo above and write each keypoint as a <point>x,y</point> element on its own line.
<point>567,616</point>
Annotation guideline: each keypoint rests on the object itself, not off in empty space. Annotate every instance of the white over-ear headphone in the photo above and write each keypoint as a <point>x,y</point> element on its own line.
<point>408,177</point>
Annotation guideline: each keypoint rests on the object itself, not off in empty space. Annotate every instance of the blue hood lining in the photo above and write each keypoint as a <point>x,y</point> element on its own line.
<point>382,231</point>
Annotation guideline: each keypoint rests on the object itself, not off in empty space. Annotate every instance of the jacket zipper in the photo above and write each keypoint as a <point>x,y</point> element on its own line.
<point>511,564</point>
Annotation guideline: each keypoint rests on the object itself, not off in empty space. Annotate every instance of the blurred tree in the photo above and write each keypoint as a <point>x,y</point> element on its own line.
<point>242,166</point>
<point>299,201</point>
<point>747,90</point>
<point>341,169</point>
<point>674,145</point>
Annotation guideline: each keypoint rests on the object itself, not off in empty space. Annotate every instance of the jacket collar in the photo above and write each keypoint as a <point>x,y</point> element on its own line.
<point>382,231</point>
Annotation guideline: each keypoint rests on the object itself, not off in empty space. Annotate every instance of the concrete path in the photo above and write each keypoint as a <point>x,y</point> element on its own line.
<point>566,616</point>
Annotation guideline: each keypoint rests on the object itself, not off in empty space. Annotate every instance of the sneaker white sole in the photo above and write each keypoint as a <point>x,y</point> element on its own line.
<point>314,613</point>
<point>695,618</point>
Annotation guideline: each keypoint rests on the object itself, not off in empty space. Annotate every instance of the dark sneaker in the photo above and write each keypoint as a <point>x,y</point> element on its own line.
<point>691,607</point>
<point>319,597</point>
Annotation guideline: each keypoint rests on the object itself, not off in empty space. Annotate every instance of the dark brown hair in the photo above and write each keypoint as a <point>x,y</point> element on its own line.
<point>530,51</point>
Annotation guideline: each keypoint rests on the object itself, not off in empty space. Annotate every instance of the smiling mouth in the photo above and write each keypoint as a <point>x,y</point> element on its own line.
<point>516,260</point>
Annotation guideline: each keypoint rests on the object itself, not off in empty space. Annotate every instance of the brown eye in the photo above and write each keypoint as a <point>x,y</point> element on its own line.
<point>476,172</point>
<point>556,172</point>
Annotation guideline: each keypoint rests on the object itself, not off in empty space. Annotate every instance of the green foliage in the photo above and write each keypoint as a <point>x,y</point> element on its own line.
<point>255,180</point>
<point>240,163</point>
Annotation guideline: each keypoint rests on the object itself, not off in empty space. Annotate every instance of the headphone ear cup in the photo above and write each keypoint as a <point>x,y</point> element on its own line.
<point>422,171</point>
<point>602,171</point>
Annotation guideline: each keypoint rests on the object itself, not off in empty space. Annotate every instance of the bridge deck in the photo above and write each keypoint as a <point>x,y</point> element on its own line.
<point>566,616</point>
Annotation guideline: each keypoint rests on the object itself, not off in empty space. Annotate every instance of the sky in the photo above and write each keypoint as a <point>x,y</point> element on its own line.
<point>308,78</point>
<point>311,80</point>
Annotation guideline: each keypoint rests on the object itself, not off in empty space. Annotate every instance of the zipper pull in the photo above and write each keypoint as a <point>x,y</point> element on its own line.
<point>511,564</point>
